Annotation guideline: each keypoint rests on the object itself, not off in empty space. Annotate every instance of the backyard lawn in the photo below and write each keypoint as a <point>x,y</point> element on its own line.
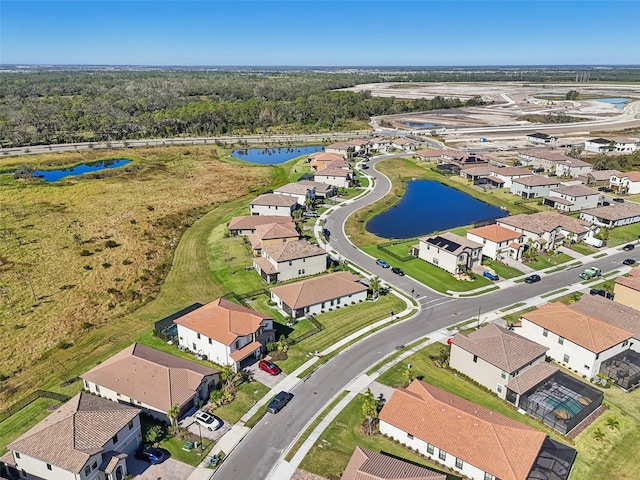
<point>624,234</point>
<point>17,424</point>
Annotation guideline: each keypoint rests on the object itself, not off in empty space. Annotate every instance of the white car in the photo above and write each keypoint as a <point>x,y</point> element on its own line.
<point>207,420</point>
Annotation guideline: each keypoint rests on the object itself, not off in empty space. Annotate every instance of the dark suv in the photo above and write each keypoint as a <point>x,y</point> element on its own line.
<point>279,401</point>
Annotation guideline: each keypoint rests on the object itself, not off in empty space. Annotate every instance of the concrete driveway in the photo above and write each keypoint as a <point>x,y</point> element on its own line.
<point>168,470</point>
<point>265,378</point>
<point>195,428</point>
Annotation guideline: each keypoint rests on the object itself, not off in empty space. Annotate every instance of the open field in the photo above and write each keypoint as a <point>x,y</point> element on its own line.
<point>79,257</point>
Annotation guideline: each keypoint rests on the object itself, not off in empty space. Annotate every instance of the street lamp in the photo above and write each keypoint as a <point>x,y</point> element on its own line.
<point>200,432</point>
<point>479,316</point>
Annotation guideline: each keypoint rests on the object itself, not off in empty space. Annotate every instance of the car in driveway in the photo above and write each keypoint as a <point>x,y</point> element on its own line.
<point>532,278</point>
<point>364,166</point>
<point>207,420</point>
<point>310,215</point>
<point>269,367</point>
<point>628,247</point>
<point>490,275</point>
<point>152,455</point>
<point>398,271</point>
<point>279,401</point>
<point>601,292</point>
<point>382,263</point>
<point>628,261</point>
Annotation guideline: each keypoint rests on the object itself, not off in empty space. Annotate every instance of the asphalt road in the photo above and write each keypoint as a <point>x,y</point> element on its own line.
<point>261,449</point>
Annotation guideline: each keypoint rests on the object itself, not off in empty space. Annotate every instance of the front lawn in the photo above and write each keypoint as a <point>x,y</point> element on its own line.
<point>502,270</point>
<point>547,261</point>
<point>583,249</point>
<point>624,234</point>
<point>246,396</point>
<point>192,457</point>
<point>330,454</point>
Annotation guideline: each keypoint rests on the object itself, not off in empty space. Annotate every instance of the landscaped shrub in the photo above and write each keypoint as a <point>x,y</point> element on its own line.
<point>88,267</point>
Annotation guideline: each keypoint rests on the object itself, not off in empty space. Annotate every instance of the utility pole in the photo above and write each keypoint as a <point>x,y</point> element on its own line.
<point>478,317</point>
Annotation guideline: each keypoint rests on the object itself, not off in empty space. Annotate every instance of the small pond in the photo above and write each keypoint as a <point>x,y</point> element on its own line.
<point>60,173</point>
<point>429,206</point>
<point>419,125</point>
<point>618,102</point>
<point>271,156</point>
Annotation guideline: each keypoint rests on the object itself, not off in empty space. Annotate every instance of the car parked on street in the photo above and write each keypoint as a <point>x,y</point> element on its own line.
<point>364,166</point>
<point>601,292</point>
<point>628,247</point>
<point>618,200</point>
<point>398,271</point>
<point>532,278</point>
<point>269,367</point>
<point>152,455</point>
<point>628,261</point>
<point>589,273</point>
<point>490,275</point>
<point>382,263</point>
<point>279,401</point>
<point>310,215</point>
<point>207,420</point>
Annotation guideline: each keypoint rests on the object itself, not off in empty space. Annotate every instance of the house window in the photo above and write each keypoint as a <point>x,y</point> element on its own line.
<point>194,346</point>
<point>503,374</point>
<point>17,454</point>
<point>87,470</point>
<point>198,335</point>
<point>475,359</point>
<point>94,465</point>
<point>49,466</point>
<point>24,473</point>
<point>237,344</point>
<point>429,448</point>
<point>97,388</point>
<point>115,439</point>
<point>488,476</point>
<point>322,306</point>
<point>86,385</point>
<point>459,463</point>
<point>290,262</point>
<point>545,332</point>
<point>565,359</point>
<point>561,340</point>
<point>442,455</point>
<point>130,424</point>
<point>409,436</point>
<point>625,343</point>
<point>210,342</point>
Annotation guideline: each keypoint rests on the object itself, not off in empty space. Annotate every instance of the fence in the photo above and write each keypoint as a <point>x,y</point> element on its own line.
<point>29,399</point>
<point>406,258</point>
<point>241,299</point>
<point>310,333</point>
<point>524,206</point>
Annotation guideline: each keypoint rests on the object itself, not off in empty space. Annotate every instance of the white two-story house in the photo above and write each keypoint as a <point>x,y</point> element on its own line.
<point>534,186</point>
<point>449,251</point>
<point>338,177</point>
<point>226,333</point>
<point>87,438</point>
<point>286,261</point>
<point>625,183</point>
<point>497,241</point>
<point>572,198</point>
<point>273,204</point>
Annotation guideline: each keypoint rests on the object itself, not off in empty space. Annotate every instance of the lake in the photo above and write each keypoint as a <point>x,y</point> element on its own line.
<point>419,125</point>
<point>272,156</point>
<point>60,173</point>
<point>618,102</point>
<point>429,206</point>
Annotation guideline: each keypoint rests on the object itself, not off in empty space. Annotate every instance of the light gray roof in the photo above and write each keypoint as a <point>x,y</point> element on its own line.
<point>283,252</point>
<point>368,465</point>
<point>545,222</point>
<point>618,211</point>
<point>531,377</point>
<point>575,190</point>
<point>296,188</point>
<point>603,174</point>
<point>536,181</point>
<point>613,313</point>
<point>275,200</point>
<point>319,186</point>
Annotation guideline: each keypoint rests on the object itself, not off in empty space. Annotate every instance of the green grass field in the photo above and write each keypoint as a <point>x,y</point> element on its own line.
<point>246,396</point>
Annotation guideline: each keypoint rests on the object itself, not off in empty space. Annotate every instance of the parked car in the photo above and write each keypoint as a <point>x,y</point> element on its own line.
<point>601,292</point>
<point>628,247</point>
<point>532,278</point>
<point>589,273</point>
<point>152,455</point>
<point>269,367</point>
<point>618,200</point>
<point>310,215</point>
<point>326,233</point>
<point>490,275</point>
<point>605,189</point>
<point>628,261</point>
<point>398,271</point>
<point>279,401</point>
<point>382,263</point>
<point>364,166</point>
<point>538,170</point>
<point>207,420</point>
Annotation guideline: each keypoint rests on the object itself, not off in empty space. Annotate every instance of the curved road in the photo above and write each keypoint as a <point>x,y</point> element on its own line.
<point>264,446</point>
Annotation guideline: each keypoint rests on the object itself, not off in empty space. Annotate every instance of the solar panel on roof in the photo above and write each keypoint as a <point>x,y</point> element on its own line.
<point>444,243</point>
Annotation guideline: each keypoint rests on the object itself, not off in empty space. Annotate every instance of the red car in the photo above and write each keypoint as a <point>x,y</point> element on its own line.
<point>269,367</point>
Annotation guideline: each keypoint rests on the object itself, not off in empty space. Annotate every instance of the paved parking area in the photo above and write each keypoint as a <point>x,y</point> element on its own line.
<point>258,375</point>
<point>190,424</point>
<point>168,470</point>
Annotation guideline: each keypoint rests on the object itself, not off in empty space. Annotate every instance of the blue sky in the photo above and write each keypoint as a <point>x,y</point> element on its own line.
<point>324,33</point>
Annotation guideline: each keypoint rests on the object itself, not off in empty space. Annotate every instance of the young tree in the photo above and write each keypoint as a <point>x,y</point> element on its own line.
<point>613,423</point>
<point>173,413</point>
<point>408,375</point>
<point>228,376</point>
<point>598,435</point>
<point>375,286</point>
<point>370,410</point>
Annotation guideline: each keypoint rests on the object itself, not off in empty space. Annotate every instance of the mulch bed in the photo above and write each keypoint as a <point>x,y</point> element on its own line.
<point>586,422</point>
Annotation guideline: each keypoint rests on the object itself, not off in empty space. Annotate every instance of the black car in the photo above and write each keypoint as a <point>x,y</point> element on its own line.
<point>605,189</point>
<point>598,291</point>
<point>279,401</point>
<point>364,167</point>
<point>532,279</point>
<point>628,247</point>
<point>152,455</point>
<point>629,261</point>
<point>398,271</point>
<point>618,200</point>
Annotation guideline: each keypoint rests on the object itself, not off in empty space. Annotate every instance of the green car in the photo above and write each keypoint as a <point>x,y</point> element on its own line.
<point>589,273</point>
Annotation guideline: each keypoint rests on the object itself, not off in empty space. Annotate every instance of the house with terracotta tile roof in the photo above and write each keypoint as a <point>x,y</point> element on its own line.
<point>360,144</point>
<point>572,198</point>
<point>289,260</point>
<point>493,355</point>
<point>86,438</point>
<point>341,148</point>
<point>322,190</point>
<point>405,144</point>
<point>319,294</point>
<point>247,224</point>
<point>430,154</point>
<point>542,158</point>
<point>449,251</point>
<point>473,441</point>
<point>299,191</point>
<point>627,183</point>
<point>533,186</point>
<point>368,465</point>
<point>226,333</point>
<point>274,204</point>
<point>272,234</point>
<point>320,160</point>
<point>627,289</point>
<point>338,177</point>
<point>508,174</point>
<point>151,380</point>
<point>498,241</point>
<point>614,215</point>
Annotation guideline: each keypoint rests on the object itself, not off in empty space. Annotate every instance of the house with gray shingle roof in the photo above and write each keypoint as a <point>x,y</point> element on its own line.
<point>368,465</point>
<point>493,355</point>
<point>449,251</point>
<point>572,198</point>
<point>286,261</point>
<point>86,438</point>
<point>152,380</point>
<point>274,204</point>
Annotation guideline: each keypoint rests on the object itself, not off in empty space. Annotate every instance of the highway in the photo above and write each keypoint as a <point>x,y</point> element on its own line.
<point>264,446</point>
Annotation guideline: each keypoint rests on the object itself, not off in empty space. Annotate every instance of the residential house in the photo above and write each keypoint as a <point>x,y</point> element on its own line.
<point>272,234</point>
<point>320,160</point>
<point>541,139</point>
<point>299,191</point>
<point>449,251</point>
<point>625,145</point>
<point>431,154</point>
<point>152,380</point>
<point>546,230</point>
<point>613,215</point>
<point>498,241</point>
<point>572,167</point>
<point>379,144</point>
<point>625,183</point>
<point>87,438</point>
<point>534,186</point>
<point>477,175</point>
<point>627,289</point>
<point>542,158</point>
<point>508,174</point>
<point>286,261</point>
<point>599,145</point>
<point>405,144</point>
<point>475,442</point>
<point>612,144</point>
<point>225,333</point>
<point>338,177</point>
<point>341,148</point>
<point>322,190</point>
<point>319,294</point>
<point>361,145</point>
<point>246,225</point>
<point>597,178</point>
<point>368,465</point>
<point>493,355</point>
<point>274,204</point>
<point>572,198</point>
<point>463,160</point>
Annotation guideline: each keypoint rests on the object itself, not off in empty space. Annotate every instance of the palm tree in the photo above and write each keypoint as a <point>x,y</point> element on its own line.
<point>173,414</point>
<point>375,286</point>
<point>613,423</point>
<point>598,435</point>
<point>228,375</point>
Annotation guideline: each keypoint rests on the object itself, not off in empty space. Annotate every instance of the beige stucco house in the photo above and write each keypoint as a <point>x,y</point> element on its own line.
<point>272,234</point>
<point>497,241</point>
<point>274,204</point>
<point>627,289</point>
<point>449,251</point>
<point>286,261</point>
<point>247,224</point>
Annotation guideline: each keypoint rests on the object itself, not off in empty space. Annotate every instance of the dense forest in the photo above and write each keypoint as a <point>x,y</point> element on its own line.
<point>64,105</point>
